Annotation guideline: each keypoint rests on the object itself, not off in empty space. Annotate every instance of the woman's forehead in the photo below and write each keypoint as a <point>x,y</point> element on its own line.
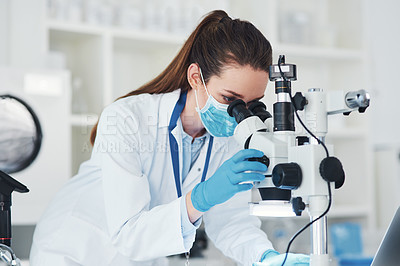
<point>243,81</point>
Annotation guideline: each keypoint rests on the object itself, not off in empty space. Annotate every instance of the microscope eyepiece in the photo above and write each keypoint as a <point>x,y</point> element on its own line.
<point>256,106</point>
<point>238,110</point>
<point>259,109</point>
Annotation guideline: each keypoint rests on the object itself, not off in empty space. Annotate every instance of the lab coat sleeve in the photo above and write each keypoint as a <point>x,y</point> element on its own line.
<point>236,233</point>
<point>137,231</point>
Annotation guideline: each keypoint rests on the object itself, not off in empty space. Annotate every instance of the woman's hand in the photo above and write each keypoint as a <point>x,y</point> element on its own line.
<point>225,183</point>
<point>273,258</point>
<point>193,214</point>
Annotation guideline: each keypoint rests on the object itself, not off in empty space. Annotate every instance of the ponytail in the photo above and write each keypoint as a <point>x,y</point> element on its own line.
<point>216,41</point>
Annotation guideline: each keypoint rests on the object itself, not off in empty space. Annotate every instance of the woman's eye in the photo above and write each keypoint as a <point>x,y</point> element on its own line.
<point>228,99</point>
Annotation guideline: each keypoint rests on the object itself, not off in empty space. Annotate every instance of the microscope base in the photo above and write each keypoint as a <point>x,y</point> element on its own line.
<point>319,260</point>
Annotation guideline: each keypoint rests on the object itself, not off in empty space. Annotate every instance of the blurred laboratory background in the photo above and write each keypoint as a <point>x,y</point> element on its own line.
<point>70,58</point>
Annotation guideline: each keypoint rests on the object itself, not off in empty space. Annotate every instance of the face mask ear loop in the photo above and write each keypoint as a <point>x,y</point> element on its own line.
<point>202,79</point>
<point>197,101</point>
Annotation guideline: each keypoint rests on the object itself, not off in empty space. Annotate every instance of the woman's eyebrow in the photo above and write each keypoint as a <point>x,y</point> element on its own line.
<point>240,96</point>
<point>234,93</point>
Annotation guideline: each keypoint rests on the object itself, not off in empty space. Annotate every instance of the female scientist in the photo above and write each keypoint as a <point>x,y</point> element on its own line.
<point>163,162</point>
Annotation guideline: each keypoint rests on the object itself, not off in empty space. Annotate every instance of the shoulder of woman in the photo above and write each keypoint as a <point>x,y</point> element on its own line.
<point>144,103</point>
<point>136,107</point>
<point>138,112</point>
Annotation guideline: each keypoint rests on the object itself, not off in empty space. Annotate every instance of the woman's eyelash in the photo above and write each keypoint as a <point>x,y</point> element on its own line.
<point>228,99</point>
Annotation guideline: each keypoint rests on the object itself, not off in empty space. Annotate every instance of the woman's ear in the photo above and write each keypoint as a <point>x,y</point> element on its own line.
<point>193,76</point>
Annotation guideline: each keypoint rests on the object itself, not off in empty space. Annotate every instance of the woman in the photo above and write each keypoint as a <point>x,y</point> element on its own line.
<point>140,197</point>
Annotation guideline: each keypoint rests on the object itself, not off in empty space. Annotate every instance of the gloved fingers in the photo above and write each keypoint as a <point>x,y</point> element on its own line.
<point>243,187</point>
<point>246,177</point>
<point>292,259</point>
<point>300,259</point>
<point>246,154</point>
<point>249,166</point>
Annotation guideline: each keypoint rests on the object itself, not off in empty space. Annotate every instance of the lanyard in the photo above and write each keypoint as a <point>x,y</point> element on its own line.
<point>174,145</point>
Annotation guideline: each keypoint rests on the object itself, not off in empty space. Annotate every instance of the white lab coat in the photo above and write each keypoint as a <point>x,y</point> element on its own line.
<point>122,206</point>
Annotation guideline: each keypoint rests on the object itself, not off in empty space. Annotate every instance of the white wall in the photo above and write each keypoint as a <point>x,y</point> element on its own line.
<point>383,20</point>
<point>383,31</point>
<point>4,28</point>
<point>26,33</point>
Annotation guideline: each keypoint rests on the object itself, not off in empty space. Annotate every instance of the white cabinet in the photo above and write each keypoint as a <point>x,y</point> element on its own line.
<point>108,62</point>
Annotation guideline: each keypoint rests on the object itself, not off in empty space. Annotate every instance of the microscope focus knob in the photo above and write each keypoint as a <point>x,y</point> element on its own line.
<point>264,160</point>
<point>331,170</point>
<point>299,101</point>
<point>287,176</point>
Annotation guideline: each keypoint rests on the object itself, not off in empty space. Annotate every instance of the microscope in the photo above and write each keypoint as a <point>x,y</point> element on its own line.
<point>302,171</point>
<point>20,141</point>
<point>7,186</point>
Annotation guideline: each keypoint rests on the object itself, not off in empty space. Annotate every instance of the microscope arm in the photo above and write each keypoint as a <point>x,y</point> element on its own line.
<point>340,102</point>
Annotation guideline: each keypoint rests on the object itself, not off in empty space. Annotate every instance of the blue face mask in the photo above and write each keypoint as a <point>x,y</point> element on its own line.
<point>214,116</point>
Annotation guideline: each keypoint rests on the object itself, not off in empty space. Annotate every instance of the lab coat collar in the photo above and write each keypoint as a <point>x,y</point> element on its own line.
<point>167,104</point>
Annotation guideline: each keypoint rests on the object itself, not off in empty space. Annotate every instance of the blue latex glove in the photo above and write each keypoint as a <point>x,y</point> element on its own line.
<point>225,183</point>
<point>273,258</point>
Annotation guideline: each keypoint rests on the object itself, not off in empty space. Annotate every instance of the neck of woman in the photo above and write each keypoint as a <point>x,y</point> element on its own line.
<point>191,121</point>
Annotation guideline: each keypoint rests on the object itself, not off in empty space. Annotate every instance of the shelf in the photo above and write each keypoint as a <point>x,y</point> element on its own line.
<point>349,211</point>
<point>318,52</point>
<point>74,27</point>
<point>346,133</point>
<point>83,120</point>
<point>153,37</point>
<point>125,34</point>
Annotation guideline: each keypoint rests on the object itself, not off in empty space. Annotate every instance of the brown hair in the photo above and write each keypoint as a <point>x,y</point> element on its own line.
<point>218,40</point>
